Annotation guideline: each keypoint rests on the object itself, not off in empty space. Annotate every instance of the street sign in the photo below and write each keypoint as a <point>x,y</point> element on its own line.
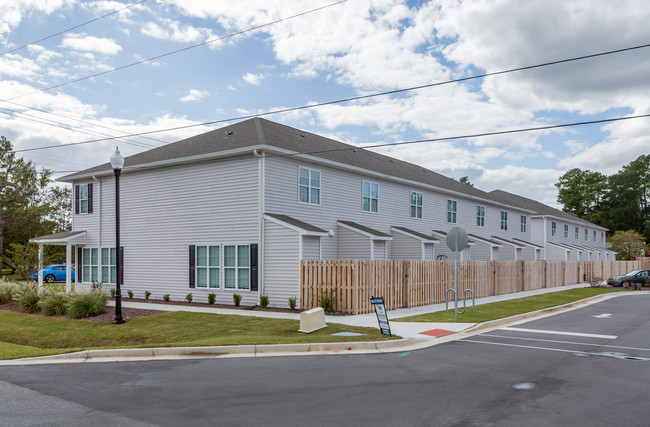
<point>382,317</point>
<point>457,239</point>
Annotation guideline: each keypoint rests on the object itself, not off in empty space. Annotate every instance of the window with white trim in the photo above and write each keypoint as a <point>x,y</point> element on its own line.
<point>602,237</point>
<point>236,267</point>
<point>504,220</point>
<point>566,231</point>
<point>89,265</point>
<point>452,211</point>
<point>577,231</point>
<point>83,198</point>
<point>524,224</point>
<point>416,205</point>
<point>553,229</point>
<point>308,186</point>
<point>208,262</point>
<point>480,216</point>
<point>370,196</point>
<point>109,261</point>
<point>586,234</point>
<point>594,236</point>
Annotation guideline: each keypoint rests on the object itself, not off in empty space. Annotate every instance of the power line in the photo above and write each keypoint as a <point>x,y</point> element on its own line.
<point>361,97</point>
<point>182,49</point>
<point>72,28</point>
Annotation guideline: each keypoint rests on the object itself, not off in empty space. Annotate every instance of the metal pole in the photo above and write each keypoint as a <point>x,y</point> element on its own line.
<point>118,292</point>
<point>456,293</point>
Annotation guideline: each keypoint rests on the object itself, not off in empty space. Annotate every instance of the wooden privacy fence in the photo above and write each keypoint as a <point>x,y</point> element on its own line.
<point>417,283</point>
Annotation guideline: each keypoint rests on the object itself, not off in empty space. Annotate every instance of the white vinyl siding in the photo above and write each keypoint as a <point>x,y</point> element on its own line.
<point>310,247</point>
<point>406,247</point>
<point>309,186</point>
<point>452,211</point>
<point>370,196</point>
<point>523,224</point>
<point>281,264</point>
<point>416,205</point>
<point>480,216</point>
<point>352,245</point>
<point>504,220</point>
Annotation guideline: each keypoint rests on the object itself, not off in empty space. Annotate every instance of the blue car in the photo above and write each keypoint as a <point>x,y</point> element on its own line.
<point>53,273</point>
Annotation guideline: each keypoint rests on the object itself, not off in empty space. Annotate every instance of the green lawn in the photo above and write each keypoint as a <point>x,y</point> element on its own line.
<point>498,310</point>
<point>26,335</point>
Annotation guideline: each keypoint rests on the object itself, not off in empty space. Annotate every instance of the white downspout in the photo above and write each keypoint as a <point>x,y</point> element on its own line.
<point>260,229</point>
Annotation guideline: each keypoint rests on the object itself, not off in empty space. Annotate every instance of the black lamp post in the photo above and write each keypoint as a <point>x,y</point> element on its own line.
<point>117,162</point>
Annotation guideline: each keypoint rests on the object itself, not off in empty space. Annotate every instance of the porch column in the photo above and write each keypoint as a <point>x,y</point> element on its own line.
<point>68,269</point>
<point>40,265</point>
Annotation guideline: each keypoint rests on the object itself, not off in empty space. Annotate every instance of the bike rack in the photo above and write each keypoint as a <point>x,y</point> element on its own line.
<point>464,300</point>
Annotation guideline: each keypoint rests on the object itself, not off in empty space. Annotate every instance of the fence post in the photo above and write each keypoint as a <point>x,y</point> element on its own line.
<point>355,288</point>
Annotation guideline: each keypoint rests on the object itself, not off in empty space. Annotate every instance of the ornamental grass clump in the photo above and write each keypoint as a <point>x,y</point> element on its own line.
<point>6,293</point>
<point>87,305</point>
<point>55,304</point>
<point>28,298</point>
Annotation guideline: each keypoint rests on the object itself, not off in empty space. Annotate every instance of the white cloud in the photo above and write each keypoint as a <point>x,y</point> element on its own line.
<point>195,95</point>
<point>175,31</point>
<point>84,43</point>
<point>253,79</point>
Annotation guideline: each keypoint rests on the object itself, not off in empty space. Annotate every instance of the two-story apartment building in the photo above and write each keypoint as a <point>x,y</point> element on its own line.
<point>235,210</point>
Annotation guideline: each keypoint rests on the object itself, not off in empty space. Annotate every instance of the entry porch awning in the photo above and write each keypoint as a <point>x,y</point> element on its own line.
<point>64,238</point>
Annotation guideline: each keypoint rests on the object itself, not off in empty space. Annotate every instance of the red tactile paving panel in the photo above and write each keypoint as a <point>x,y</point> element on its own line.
<point>437,332</point>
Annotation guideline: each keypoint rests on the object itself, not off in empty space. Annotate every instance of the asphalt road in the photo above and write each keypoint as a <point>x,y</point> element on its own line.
<point>587,367</point>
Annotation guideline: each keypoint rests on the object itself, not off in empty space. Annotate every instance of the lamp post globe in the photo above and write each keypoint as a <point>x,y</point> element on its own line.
<point>117,163</point>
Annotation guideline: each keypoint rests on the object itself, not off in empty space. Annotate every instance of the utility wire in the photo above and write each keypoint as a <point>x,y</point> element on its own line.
<point>420,141</point>
<point>257,27</point>
<point>73,28</point>
<point>356,98</point>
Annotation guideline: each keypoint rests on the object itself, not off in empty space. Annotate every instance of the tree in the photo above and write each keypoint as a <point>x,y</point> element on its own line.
<point>23,200</point>
<point>465,180</point>
<point>629,244</point>
<point>581,193</point>
<point>59,200</point>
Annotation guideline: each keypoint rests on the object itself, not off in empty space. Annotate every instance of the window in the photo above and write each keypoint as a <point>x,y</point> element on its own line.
<point>236,267</point>
<point>594,235</point>
<point>452,211</point>
<point>602,237</point>
<point>416,205</point>
<point>89,272</point>
<point>553,229</point>
<point>308,186</point>
<point>208,261</point>
<point>480,216</point>
<point>566,231</point>
<point>577,233</point>
<point>370,192</point>
<point>504,220</point>
<point>586,234</point>
<point>523,226</point>
<point>108,265</point>
<point>83,198</point>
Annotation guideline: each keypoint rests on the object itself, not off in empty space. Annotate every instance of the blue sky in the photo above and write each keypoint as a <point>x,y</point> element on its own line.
<point>353,48</point>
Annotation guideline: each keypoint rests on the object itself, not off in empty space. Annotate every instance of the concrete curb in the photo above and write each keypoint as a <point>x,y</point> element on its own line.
<point>309,348</point>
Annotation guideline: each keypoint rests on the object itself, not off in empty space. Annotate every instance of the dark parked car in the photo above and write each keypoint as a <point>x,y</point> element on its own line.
<point>636,276</point>
<point>53,273</point>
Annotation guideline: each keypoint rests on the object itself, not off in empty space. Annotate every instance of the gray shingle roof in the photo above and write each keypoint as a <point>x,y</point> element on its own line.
<point>415,233</point>
<point>538,207</point>
<point>365,229</point>
<point>259,132</point>
<point>297,223</point>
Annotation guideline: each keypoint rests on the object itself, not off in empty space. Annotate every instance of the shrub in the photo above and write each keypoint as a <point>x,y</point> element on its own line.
<point>327,299</point>
<point>147,294</point>
<point>264,301</point>
<point>113,292</point>
<point>55,304</point>
<point>86,305</point>
<point>6,294</point>
<point>28,298</point>
<point>212,298</point>
<point>166,297</point>
<point>130,293</point>
<point>292,303</point>
<point>96,286</point>
<point>236,298</point>
<point>188,297</point>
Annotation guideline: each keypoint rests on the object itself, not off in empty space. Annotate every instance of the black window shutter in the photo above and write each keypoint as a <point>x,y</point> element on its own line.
<point>76,199</point>
<point>90,198</point>
<point>192,265</point>
<point>254,277</point>
<point>120,259</point>
<point>79,266</point>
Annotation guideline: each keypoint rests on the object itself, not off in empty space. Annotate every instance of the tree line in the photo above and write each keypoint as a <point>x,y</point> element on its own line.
<point>619,202</point>
<point>31,205</point>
